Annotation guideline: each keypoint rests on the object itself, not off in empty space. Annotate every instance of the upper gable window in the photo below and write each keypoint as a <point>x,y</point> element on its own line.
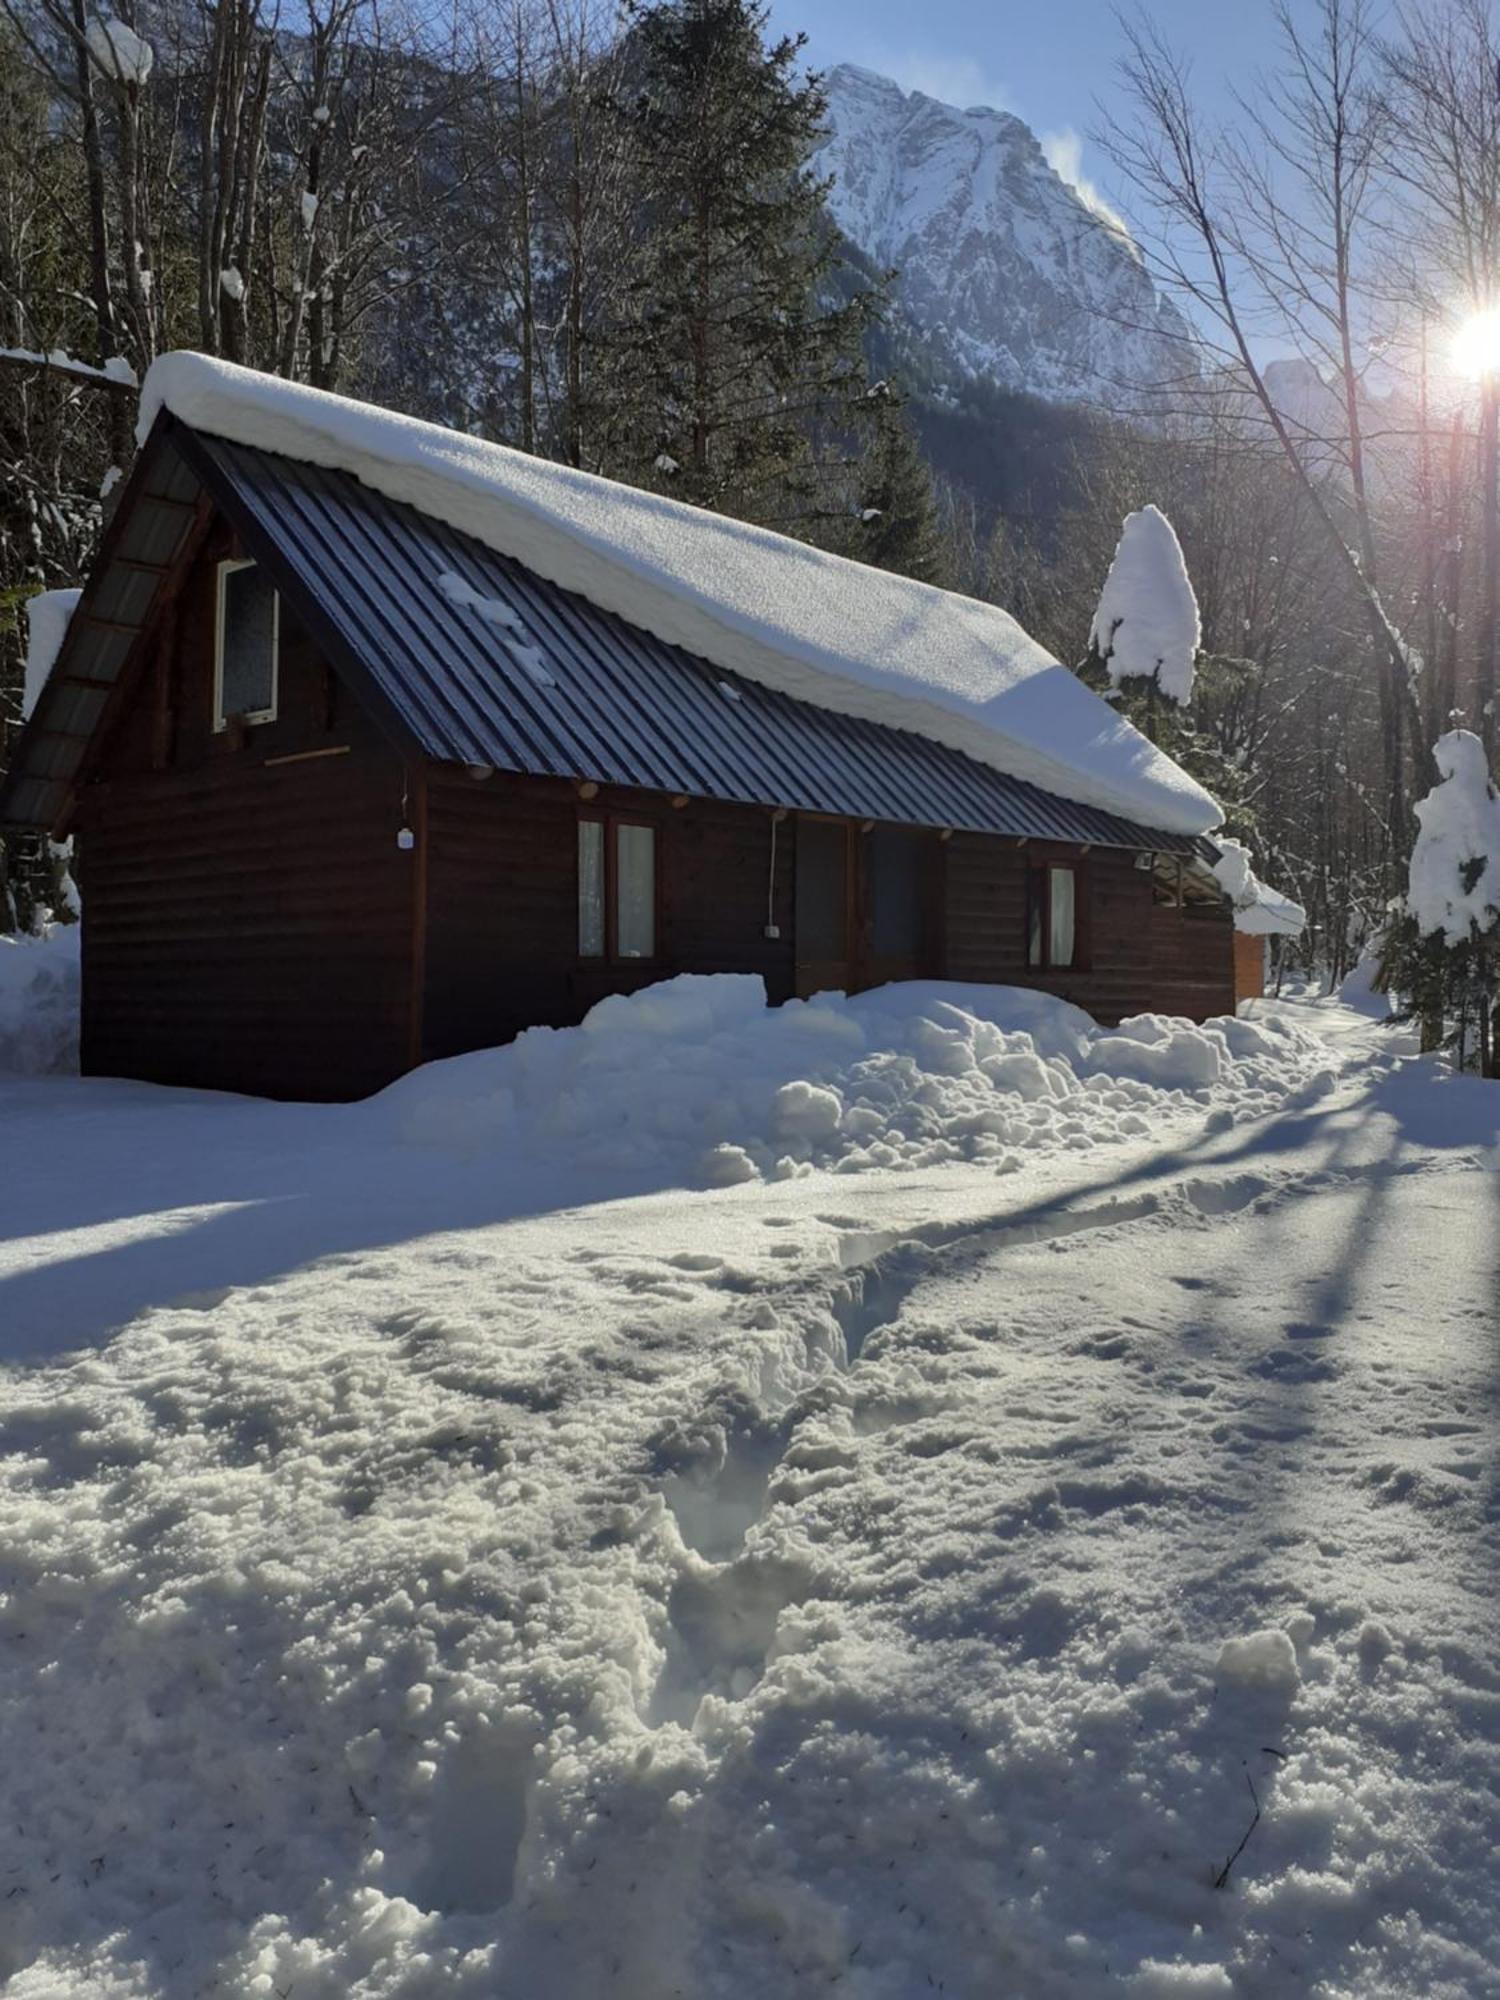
<point>247,630</point>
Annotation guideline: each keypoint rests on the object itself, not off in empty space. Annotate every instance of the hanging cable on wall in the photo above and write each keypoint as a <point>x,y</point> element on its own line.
<point>773,929</point>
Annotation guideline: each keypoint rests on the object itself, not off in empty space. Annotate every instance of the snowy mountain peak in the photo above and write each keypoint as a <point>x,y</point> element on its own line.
<point>849,81</point>
<point>1008,270</point>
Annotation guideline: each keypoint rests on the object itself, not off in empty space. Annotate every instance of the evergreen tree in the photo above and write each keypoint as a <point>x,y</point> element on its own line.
<point>1442,949</point>
<point>1146,627</point>
<point>897,515</point>
<point>736,370</point>
<point>1144,656</point>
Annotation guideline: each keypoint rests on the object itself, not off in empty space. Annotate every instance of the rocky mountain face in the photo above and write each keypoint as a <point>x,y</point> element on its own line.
<point>1006,272</point>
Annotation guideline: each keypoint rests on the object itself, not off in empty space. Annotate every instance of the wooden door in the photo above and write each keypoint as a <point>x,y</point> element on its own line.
<point>824,941</point>
<point>899,890</point>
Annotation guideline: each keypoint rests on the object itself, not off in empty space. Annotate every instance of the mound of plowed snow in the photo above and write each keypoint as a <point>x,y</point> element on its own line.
<point>697,1080</point>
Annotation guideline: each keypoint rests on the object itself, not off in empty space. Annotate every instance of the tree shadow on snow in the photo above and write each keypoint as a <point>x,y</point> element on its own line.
<point>120,1197</point>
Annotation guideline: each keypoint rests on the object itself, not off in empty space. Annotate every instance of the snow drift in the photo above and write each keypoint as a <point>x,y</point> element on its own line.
<point>854,640</point>
<point>697,1082</point>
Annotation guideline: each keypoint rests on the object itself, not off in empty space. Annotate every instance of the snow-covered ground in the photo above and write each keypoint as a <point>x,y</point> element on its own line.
<point>445,1548</point>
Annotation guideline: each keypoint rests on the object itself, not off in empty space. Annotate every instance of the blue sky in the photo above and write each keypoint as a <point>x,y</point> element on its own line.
<point>1046,60</point>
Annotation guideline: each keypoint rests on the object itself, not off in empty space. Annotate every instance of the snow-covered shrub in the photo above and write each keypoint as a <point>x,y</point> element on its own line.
<point>35,880</point>
<point>39,1002</point>
<point>1146,626</point>
<point>1443,950</point>
<point>1454,884</point>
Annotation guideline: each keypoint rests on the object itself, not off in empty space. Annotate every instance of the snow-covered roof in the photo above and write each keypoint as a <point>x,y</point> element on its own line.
<point>1258,908</point>
<point>852,640</point>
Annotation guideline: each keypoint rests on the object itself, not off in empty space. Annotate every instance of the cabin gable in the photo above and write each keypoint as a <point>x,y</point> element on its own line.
<point>250,914</point>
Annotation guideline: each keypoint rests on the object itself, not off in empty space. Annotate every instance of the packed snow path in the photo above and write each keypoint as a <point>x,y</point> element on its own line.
<point>889,1583</point>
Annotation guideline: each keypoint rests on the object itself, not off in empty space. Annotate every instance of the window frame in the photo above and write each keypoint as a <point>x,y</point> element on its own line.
<point>1039,895</point>
<point>251,718</point>
<point>611,954</point>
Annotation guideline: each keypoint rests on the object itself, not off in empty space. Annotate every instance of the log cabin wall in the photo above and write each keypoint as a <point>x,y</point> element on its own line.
<point>502,915</point>
<point>249,922</point>
<point>1142,956</point>
<point>252,923</point>
<point>1249,966</point>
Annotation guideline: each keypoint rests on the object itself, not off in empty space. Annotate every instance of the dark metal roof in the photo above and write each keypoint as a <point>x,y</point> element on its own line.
<point>155,517</point>
<point>612,702</point>
<point>624,707</point>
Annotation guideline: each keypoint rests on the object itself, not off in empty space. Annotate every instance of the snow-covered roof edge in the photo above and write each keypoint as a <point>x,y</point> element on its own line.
<point>1258,909</point>
<point>850,639</point>
<point>47,615</point>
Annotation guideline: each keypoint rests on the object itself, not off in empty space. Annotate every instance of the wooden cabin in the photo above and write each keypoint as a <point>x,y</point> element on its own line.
<point>1249,966</point>
<point>353,790</point>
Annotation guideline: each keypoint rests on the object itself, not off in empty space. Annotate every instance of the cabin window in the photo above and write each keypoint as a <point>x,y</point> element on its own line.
<point>616,889</point>
<point>1053,918</point>
<point>246,638</point>
<point>635,905</point>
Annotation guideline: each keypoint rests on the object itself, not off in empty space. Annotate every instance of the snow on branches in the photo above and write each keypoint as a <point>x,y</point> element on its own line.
<point>122,54</point>
<point>1454,883</point>
<point>1146,626</point>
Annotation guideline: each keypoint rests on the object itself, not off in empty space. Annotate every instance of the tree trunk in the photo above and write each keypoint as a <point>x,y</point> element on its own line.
<point>1489,465</point>
<point>106,338</point>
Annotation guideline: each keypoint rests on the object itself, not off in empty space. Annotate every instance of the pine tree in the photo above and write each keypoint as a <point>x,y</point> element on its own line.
<point>736,371</point>
<point>897,515</point>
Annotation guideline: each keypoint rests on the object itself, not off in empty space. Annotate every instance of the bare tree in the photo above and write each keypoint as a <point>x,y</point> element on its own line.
<point>1293,266</point>
<point>1443,74</point>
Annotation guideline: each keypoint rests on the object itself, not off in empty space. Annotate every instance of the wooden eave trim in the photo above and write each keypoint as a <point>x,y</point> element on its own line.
<point>116,625</point>
<point>546,787</point>
<point>133,491</point>
<point>162,609</point>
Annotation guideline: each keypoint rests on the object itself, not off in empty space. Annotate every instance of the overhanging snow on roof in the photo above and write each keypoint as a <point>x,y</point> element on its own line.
<point>482,663</point>
<point>854,641</point>
<point>1259,910</point>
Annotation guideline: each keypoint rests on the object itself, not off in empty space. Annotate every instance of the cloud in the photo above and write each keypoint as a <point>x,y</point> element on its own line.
<point>1063,152</point>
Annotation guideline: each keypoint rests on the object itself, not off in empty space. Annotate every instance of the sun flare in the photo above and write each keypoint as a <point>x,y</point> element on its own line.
<point>1476,345</point>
